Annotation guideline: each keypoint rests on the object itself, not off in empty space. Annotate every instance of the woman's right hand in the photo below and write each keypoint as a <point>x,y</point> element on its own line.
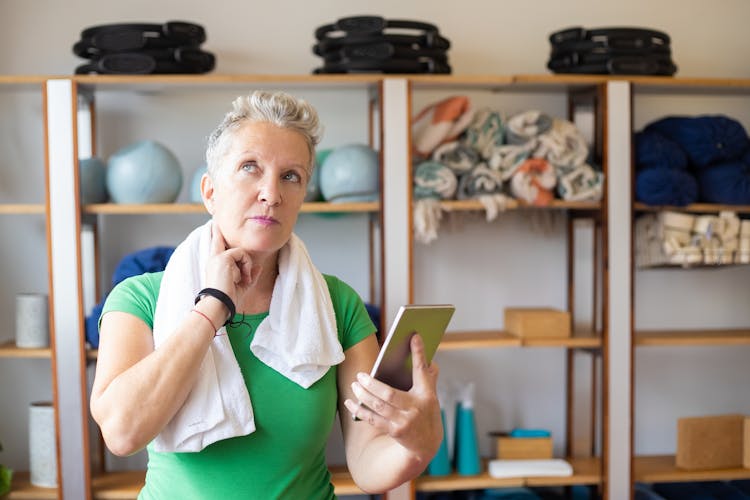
<point>230,270</point>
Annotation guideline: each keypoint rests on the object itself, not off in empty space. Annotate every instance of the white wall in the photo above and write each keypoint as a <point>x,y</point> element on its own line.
<point>488,37</point>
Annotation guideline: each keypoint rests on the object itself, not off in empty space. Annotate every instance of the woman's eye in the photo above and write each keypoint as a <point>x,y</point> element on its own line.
<point>249,166</point>
<point>293,176</point>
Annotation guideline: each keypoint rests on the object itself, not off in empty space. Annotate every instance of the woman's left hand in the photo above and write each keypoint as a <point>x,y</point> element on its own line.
<point>412,418</point>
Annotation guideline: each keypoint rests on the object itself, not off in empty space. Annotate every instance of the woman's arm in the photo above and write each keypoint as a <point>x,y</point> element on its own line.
<point>137,390</point>
<point>399,432</point>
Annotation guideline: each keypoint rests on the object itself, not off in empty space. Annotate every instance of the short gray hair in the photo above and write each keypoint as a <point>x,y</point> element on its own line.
<point>278,108</point>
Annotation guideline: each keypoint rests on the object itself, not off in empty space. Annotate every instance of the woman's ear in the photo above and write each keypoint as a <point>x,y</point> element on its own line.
<point>207,192</point>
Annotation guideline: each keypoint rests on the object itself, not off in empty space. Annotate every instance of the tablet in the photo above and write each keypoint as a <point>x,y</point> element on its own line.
<point>393,365</point>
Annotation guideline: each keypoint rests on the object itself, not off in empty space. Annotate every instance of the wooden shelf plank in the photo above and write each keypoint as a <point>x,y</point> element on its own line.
<point>198,208</point>
<point>580,340</point>
<point>662,468</point>
<point>22,489</point>
<point>692,337</point>
<point>9,350</point>
<point>125,485</point>
<point>693,208</point>
<point>22,209</point>
<point>478,339</point>
<point>455,340</point>
<point>454,482</point>
<point>585,471</point>
<point>476,205</point>
<point>233,82</point>
<point>343,484</point>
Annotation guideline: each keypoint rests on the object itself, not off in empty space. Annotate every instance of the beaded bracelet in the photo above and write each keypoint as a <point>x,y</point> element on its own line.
<point>220,296</point>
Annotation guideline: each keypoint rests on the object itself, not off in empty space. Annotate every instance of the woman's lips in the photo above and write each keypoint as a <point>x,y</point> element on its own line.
<point>264,221</point>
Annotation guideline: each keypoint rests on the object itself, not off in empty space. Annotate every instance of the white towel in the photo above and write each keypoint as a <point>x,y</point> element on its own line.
<point>299,337</point>
<point>529,468</point>
<point>218,406</point>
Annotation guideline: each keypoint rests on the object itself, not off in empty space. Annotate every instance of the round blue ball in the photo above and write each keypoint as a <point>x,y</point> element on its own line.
<point>195,184</point>
<point>350,173</point>
<point>92,174</point>
<point>144,172</point>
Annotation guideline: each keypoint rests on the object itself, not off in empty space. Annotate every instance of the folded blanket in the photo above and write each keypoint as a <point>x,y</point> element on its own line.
<point>526,126</point>
<point>557,467</point>
<point>298,339</point>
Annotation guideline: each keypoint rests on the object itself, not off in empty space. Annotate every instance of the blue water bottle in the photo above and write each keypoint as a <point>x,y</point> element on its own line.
<point>466,448</point>
<point>440,465</point>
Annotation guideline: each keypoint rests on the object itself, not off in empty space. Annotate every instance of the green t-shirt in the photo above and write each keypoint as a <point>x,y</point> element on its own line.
<point>285,456</point>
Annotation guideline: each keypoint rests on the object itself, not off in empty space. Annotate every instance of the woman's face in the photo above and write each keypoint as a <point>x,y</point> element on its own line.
<point>259,186</point>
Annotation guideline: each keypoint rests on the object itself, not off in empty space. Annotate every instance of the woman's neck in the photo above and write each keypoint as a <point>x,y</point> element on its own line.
<point>259,300</point>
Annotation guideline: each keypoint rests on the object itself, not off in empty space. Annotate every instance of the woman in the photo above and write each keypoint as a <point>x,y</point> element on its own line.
<point>163,369</point>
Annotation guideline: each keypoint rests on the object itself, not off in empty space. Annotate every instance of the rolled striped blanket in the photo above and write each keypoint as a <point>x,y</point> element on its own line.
<point>457,156</point>
<point>534,181</point>
<point>434,180</point>
<point>563,146</point>
<point>486,185</point>
<point>508,157</point>
<point>440,122</point>
<point>485,132</point>
<point>525,126</point>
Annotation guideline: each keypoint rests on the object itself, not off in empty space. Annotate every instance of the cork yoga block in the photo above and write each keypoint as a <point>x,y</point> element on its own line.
<point>534,322</point>
<point>711,442</point>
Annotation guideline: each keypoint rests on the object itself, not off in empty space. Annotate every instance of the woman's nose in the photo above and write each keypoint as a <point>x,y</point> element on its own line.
<point>270,192</point>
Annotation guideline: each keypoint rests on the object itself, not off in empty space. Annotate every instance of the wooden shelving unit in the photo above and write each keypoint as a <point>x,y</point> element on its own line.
<point>662,469</point>
<point>588,471</point>
<point>20,203</point>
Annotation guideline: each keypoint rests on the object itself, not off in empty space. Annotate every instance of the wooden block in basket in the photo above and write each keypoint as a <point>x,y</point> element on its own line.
<point>712,442</point>
<point>746,440</point>
<point>537,322</point>
<point>531,448</point>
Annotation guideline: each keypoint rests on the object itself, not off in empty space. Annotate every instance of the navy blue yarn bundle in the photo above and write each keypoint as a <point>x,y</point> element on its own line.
<point>681,160</point>
<point>705,490</point>
<point>662,176</point>
<point>726,183</point>
<point>706,140</point>
<point>147,260</point>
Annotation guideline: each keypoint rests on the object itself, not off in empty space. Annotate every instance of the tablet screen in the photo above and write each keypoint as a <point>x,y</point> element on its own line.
<point>394,365</point>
